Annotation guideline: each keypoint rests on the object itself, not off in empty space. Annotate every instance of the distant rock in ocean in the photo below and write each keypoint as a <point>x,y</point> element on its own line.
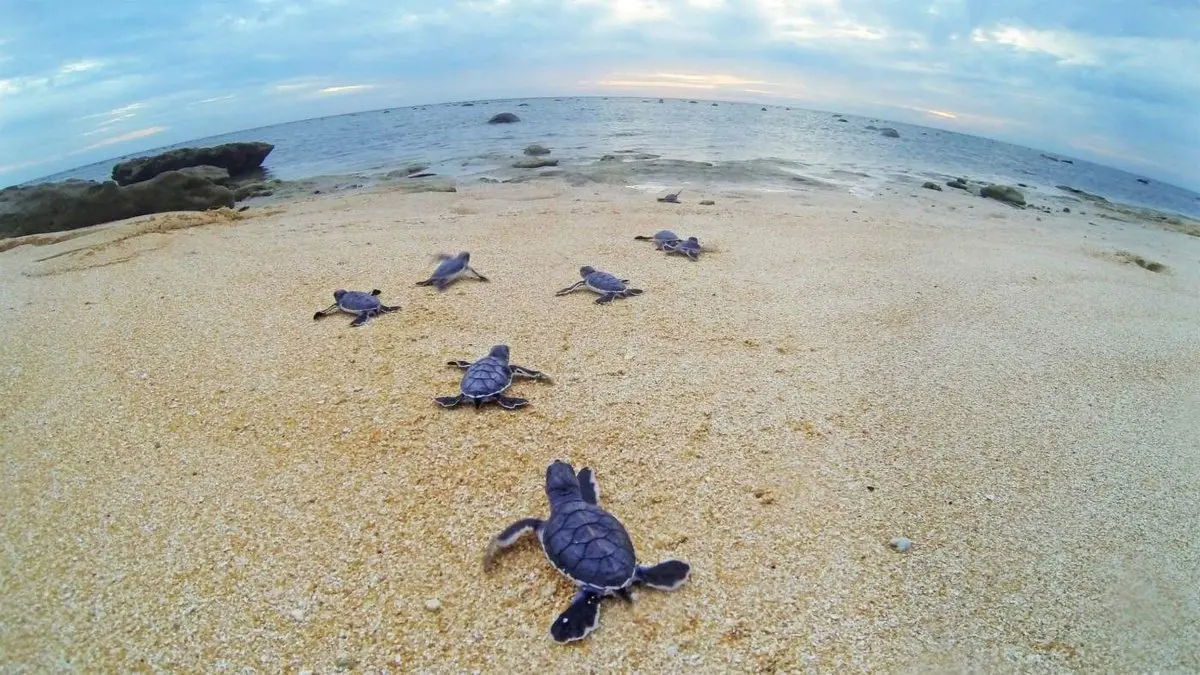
<point>504,118</point>
<point>534,162</point>
<point>71,204</point>
<point>889,132</point>
<point>537,149</point>
<point>236,158</point>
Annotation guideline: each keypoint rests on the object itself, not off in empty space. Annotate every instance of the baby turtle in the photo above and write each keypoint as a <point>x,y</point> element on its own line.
<point>608,286</point>
<point>450,269</point>
<point>362,305</point>
<point>689,247</point>
<point>672,197</point>
<point>590,547</point>
<point>660,238</point>
<point>487,378</point>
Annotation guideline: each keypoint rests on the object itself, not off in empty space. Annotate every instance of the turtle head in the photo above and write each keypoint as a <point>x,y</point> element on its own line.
<point>586,270</point>
<point>337,295</point>
<point>499,352</point>
<point>561,482</point>
<point>693,240</point>
<point>464,256</point>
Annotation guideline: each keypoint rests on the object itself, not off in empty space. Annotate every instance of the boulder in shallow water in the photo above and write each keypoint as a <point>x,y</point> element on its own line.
<point>213,174</point>
<point>1004,193</point>
<point>504,118</point>
<point>889,132</point>
<point>930,185</point>
<point>534,162</point>
<point>536,149</point>
<point>871,127</point>
<point>236,158</point>
<point>51,207</point>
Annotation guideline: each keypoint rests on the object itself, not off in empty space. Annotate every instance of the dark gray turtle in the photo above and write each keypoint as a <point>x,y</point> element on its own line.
<point>486,378</point>
<point>660,238</point>
<point>689,247</point>
<point>362,305</point>
<point>590,547</point>
<point>608,286</point>
<point>450,269</point>
<point>672,197</point>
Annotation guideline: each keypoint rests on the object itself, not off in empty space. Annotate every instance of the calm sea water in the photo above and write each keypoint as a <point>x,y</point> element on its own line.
<point>728,144</point>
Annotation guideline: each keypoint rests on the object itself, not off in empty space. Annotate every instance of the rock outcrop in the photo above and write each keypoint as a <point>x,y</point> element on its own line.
<point>889,132</point>
<point>1004,193</point>
<point>236,158</point>
<point>50,207</point>
<point>534,162</point>
<point>504,118</point>
<point>537,149</point>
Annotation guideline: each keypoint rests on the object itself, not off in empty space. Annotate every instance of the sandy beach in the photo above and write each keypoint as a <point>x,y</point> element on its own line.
<point>197,476</point>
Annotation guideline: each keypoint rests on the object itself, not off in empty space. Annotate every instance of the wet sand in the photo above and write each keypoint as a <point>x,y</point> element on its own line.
<point>196,475</point>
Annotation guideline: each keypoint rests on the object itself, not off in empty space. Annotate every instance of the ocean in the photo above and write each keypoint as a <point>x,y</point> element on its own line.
<point>675,143</point>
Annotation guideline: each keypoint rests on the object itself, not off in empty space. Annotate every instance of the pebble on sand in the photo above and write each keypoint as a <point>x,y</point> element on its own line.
<point>900,544</point>
<point>433,604</point>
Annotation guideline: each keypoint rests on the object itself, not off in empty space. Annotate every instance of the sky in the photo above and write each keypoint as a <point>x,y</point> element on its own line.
<point>1115,82</point>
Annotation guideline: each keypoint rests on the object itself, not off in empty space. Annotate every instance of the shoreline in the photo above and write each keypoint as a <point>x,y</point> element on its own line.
<point>198,475</point>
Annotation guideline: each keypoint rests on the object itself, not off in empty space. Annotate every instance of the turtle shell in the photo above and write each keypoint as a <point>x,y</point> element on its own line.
<point>357,301</point>
<point>486,377</point>
<point>450,266</point>
<point>690,244</point>
<point>589,545</point>
<point>663,236</point>
<point>603,281</point>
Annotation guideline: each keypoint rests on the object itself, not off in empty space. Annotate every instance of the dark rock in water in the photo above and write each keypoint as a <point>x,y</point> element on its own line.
<point>764,109</point>
<point>1080,193</point>
<point>504,118</point>
<point>50,207</point>
<point>691,101</point>
<point>1067,161</point>
<point>889,132</point>
<point>1052,159</point>
<point>537,149</point>
<point>386,112</point>
<point>660,100</point>
<point>1022,185</point>
<point>1143,181</point>
<point>522,105</point>
<point>534,162</point>
<point>957,183</point>
<point>930,185</point>
<point>423,174</point>
<point>871,127</point>
<point>236,158</point>
<point>610,158</point>
<point>1066,209</point>
<point>714,105</point>
<point>842,119</point>
<point>214,174</point>
<point>468,105</point>
<point>1004,193</point>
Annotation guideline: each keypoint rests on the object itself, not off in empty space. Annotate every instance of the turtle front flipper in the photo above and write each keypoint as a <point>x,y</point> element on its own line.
<point>376,292</point>
<point>325,312</point>
<point>511,402</point>
<point>630,292</point>
<point>569,289</point>
<point>665,576</point>
<point>449,401</point>
<point>581,618</point>
<point>694,256</point>
<point>509,536</point>
<point>477,274</point>
<point>606,298</point>
<point>589,489</point>
<point>384,309</point>
<point>427,282</point>
<point>528,372</point>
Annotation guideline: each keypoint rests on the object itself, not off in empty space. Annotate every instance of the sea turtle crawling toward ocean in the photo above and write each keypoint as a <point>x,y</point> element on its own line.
<point>660,238</point>
<point>362,305</point>
<point>608,286</point>
<point>590,547</point>
<point>689,247</point>
<point>487,378</point>
<point>450,270</point>
<point>672,197</point>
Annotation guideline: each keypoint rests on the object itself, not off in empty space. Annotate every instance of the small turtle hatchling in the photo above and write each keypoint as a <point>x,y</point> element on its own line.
<point>362,305</point>
<point>590,547</point>
<point>606,285</point>
<point>689,247</point>
<point>660,238</point>
<point>450,270</point>
<point>487,378</point>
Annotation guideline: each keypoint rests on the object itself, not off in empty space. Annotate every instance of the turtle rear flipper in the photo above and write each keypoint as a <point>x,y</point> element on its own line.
<point>325,312</point>
<point>459,364</point>
<point>509,536</point>
<point>579,619</point>
<point>607,298</point>
<point>449,401</point>
<point>362,317</point>
<point>511,403</point>
<point>665,576</point>
<point>427,282</point>
<point>630,292</point>
<point>384,309</point>
<point>642,237</point>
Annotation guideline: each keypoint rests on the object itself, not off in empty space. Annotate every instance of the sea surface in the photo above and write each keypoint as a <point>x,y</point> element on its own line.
<point>669,143</point>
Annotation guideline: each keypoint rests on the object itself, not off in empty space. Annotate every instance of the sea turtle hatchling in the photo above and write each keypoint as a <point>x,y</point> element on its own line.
<point>672,197</point>
<point>589,546</point>
<point>362,305</point>
<point>689,247</point>
<point>487,378</point>
<point>608,286</point>
<point>660,238</point>
<point>450,270</point>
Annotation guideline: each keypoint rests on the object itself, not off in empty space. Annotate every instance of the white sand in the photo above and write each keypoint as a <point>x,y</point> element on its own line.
<point>196,475</point>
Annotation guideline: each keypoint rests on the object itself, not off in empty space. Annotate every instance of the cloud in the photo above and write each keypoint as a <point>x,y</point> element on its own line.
<point>345,89</point>
<point>79,66</point>
<point>705,81</point>
<point>128,136</point>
